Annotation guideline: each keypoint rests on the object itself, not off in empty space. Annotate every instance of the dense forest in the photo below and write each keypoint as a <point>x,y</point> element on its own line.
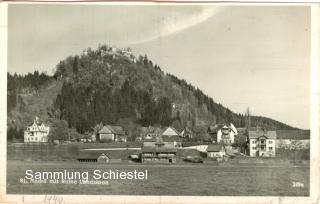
<point>112,86</point>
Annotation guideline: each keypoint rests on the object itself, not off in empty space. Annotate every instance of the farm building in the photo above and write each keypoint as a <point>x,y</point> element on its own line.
<point>262,143</point>
<point>37,132</point>
<point>112,133</point>
<point>93,157</point>
<point>216,151</point>
<point>158,155</point>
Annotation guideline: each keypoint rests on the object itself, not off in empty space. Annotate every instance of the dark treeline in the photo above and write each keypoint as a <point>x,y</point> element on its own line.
<point>83,108</point>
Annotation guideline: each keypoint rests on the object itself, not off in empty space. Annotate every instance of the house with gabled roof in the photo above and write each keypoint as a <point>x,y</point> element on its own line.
<point>111,133</point>
<point>216,151</point>
<point>262,143</point>
<point>171,131</point>
<point>223,133</point>
<point>36,132</point>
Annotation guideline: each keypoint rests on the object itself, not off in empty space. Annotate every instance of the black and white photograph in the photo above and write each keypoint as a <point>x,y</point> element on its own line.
<point>181,99</point>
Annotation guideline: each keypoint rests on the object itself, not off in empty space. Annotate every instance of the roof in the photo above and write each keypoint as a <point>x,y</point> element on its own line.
<point>217,127</point>
<point>214,148</point>
<point>157,149</point>
<point>164,138</point>
<point>293,134</point>
<point>109,129</point>
<point>171,131</point>
<point>90,155</point>
<point>37,123</point>
<point>259,133</point>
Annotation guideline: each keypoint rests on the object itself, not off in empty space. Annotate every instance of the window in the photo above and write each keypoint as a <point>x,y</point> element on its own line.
<point>270,142</point>
<point>270,148</point>
<point>254,142</point>
<point>31,138</point>
<point>36,139</point>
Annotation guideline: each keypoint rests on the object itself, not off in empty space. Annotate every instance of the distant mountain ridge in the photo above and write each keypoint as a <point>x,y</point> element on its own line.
<point>112,86</point>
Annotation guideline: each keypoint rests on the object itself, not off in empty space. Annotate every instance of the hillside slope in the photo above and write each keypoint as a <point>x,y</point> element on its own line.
<point>112,86</point>
<point>34,104</point>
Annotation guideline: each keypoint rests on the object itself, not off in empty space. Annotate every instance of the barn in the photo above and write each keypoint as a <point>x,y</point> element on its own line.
<point>112,133</point>
<point>94,157</point>
<point>158,155</point>
<point>216,151</point>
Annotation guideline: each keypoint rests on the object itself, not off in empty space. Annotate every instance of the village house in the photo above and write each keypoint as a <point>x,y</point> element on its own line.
<point>37,132</point>
<point>293,139</point>
<point>169,137</point>
<point>111,133</point>
<point>262,143</point>
<point>216,151</point>
<point>224,133</point>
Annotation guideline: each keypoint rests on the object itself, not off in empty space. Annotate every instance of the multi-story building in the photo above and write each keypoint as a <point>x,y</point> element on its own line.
<point>262,143</point>
<point>37,132</point>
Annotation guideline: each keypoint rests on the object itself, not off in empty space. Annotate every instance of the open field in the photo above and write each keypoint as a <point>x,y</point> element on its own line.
<point>182,179</point>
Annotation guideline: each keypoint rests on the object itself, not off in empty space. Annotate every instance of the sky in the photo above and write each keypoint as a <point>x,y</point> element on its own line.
<point>241,56</point>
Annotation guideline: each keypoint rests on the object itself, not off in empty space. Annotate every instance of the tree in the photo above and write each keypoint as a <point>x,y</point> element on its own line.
<point>248,118</point>
<point>59,130</point>
<point>177,125</point>
<point>75,67</point>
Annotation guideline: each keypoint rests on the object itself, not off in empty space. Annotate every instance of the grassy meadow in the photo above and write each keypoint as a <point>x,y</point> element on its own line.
<point>182,179</point>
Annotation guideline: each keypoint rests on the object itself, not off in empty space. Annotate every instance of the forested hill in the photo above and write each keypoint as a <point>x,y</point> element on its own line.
<point>112,86</point>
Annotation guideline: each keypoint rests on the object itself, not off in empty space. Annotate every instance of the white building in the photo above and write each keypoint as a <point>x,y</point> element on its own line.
<point>37,132</point>
<point>262,143</point>
<point>226,134</point>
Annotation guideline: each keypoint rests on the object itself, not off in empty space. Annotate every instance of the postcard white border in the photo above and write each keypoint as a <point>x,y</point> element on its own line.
<point>315,140</point>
